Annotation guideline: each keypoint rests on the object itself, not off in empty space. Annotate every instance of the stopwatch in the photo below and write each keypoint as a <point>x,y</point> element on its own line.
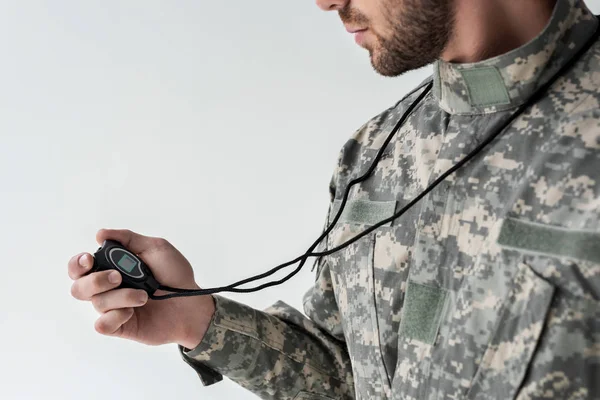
<point>136,274</point>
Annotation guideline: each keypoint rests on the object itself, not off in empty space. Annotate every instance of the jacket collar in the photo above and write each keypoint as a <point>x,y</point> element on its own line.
<point>508,80</point>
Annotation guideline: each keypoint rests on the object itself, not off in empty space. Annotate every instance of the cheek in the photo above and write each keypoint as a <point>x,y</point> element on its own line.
<point>373,10</point>
<point>381,21</point>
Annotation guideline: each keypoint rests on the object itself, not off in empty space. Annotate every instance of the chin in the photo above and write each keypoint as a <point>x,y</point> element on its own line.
<point>385,66</point>
<point>376,64</point>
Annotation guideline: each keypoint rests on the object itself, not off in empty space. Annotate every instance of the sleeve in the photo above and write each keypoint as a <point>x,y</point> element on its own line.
<point>279,353</point>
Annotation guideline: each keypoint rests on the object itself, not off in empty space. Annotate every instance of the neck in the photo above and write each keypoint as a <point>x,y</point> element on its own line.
<point>488,28</point>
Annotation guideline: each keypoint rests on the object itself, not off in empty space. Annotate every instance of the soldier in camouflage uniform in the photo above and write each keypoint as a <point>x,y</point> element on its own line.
<point>489,287</point>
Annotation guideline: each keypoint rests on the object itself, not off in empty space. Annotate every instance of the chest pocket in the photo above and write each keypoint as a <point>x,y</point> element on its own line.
<point>554,277</point>
<point>569,259</point>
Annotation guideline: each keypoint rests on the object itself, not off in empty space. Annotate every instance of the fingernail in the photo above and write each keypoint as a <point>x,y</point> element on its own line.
<point>83,262</point>
<point>143,298</point>
<point>114,277</point>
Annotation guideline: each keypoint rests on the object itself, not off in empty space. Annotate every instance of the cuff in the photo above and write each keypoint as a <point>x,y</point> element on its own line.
<point>228,346</point>
<point>207,375</point>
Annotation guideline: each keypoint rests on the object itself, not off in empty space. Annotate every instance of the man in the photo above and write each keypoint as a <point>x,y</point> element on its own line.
<point>487,288</point>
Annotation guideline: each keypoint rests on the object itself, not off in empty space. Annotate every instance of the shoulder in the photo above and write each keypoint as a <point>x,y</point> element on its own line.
<point>571,108</point>
<point>368,138</point>
<point>368,134</point>
<point>578,92</point>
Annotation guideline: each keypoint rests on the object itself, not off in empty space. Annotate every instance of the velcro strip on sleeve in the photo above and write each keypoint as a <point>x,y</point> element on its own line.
<point>552,240</point>
<point>364,211</point>
<point>422,311</point>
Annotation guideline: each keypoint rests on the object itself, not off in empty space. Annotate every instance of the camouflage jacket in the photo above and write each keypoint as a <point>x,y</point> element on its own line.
<point>489,287</point>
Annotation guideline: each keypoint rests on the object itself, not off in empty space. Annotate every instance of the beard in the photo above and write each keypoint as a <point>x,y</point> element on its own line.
<point>417,33</point>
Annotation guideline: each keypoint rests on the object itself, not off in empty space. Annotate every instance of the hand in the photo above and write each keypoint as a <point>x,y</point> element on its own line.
<point>128,313</point>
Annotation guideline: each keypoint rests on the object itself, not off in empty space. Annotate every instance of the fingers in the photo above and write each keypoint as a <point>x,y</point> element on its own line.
<point>111,323</point>
<point>79,265</point>
<point>99,282</point>
<point>122,298</point>
<point>133,241</point>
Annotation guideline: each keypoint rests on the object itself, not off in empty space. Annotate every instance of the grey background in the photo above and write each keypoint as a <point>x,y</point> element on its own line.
<point>213,124</point>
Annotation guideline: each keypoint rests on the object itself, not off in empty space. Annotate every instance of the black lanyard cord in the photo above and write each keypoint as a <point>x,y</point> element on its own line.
<point>234,287</point>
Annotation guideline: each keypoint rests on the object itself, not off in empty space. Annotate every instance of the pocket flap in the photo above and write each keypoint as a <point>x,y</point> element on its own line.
<point>363,211</point>
<point>550,240</point>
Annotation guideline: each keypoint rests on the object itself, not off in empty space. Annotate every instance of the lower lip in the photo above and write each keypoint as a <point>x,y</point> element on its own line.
<point>359,37</point>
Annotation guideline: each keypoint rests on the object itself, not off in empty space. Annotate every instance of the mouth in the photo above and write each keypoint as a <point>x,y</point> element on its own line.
<point>359,34</point>
<point>350,29</point>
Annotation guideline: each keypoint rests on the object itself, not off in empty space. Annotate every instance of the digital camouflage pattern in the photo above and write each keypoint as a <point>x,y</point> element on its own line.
<point>489,288</point>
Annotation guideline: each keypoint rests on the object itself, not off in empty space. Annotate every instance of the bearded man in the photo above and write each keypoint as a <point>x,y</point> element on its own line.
<point>484,281</point>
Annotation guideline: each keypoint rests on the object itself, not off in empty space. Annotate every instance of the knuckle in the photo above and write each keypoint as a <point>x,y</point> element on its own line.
<point>99,303</point>
<point>131,296</point>
<point>98,282</point>
<point>125,314</point>
<point>156,241</point>
<point>128,233</point>
<point>100,233</point>
<point>75,292</point>
<point>101,326</point>
<point>160,242</point>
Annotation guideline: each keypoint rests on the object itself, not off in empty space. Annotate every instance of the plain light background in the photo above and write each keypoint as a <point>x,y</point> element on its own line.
<point>213,124</point>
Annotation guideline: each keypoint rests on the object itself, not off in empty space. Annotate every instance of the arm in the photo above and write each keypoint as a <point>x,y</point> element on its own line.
<point>278,353</point>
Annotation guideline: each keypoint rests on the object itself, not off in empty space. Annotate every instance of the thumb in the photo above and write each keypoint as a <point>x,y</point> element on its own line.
<point>133,241</point>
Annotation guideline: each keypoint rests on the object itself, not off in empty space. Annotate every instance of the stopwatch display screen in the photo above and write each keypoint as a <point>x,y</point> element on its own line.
<point>127,263</point>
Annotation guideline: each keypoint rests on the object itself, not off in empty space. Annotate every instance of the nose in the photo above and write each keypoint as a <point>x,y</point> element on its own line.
<point>332,5</point>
